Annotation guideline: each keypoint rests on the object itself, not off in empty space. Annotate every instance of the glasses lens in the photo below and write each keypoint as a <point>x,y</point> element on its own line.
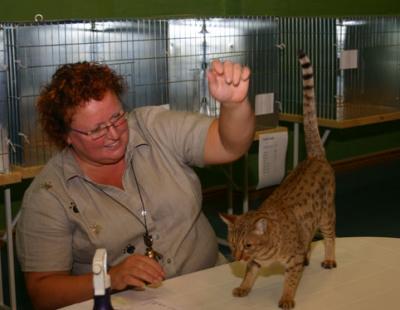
<point>98,132</point>
<point>102,130</point>
<point>119,119</point>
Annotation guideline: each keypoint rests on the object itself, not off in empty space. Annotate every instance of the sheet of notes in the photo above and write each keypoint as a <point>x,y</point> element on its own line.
<point>271,158</point>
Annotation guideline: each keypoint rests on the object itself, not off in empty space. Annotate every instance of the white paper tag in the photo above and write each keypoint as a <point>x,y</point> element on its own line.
<point>264,104</point>
<point>349,59</point>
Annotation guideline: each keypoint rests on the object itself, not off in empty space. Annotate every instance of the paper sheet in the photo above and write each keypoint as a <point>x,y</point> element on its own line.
<point>264,104</point>
<point>271,158</point>
<point>349,59</point>
<point>4,158</point>
<point>148,299</point>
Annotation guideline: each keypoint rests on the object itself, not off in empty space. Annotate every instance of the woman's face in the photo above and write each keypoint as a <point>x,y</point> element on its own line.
<point>102,116</point>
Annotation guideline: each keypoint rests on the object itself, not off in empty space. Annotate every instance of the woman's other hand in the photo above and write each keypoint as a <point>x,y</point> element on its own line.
<point>136,270</point>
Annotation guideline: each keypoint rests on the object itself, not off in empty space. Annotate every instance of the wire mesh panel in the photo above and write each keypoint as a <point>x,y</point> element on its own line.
<point>165,62</point>
<point>162,61</point>
<point>356,63</point>
<point>317,38</point>
<point>185,64</point>
<point>194,43</point>
<point>134,49</point>
<point>249,41</point>
<point>4,157</point>
<point>375,42</point>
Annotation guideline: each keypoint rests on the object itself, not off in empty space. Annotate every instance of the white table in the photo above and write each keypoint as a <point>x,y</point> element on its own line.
<point>367,278</point>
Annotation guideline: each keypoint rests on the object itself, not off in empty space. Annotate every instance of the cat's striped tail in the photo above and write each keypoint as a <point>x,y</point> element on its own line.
<point>312,138</point>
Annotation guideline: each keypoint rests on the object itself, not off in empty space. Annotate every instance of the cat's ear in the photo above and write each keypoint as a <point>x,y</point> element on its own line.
<point>261,226</point>
<point>229,219</point>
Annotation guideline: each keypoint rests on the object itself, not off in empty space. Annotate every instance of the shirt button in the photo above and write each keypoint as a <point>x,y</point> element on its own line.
<point>169,260</point>
<point>130,249</point>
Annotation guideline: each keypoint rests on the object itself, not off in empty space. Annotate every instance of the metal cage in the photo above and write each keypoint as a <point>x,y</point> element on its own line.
<point>164,61</point>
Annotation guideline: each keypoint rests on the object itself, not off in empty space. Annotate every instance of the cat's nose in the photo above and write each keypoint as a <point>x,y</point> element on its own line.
<point>238,255</point>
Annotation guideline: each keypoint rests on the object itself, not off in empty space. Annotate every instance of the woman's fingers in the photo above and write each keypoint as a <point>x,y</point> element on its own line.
<point>136,270</point>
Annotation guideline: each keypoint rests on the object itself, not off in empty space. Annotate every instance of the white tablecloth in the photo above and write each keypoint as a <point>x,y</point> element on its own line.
<point>367,278</point>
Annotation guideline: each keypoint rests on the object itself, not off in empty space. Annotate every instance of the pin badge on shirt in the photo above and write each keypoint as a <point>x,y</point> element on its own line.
<point>73,207</point>
<point>46,185</point>
<point>129,249</point>
<point>95,228</point>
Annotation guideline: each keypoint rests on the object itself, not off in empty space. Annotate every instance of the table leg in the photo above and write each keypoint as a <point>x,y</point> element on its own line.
<point>10,247</point>
<point>230,189</point>
<point>245,184</point>
<point>295,144</point>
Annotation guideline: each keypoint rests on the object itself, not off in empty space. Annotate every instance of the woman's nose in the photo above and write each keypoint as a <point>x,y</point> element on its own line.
<point>112,132</point>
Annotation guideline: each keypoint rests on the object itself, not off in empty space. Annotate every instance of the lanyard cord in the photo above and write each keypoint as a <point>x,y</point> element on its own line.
<point>147,238</point>
<point>97,187</point>
<point>141,200</point>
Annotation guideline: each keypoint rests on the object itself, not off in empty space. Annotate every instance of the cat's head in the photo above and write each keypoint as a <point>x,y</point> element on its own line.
<point>246,235</point>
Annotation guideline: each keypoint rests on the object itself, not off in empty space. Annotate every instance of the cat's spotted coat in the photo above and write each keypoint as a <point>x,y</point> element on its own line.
<point>283,228</point>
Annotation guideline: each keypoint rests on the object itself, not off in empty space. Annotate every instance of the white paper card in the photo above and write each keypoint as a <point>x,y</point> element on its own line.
<point>165,106</point>
<point>349,59</point>
<point>264,103</point>
<point>271,158</point>
<point>4,158</point>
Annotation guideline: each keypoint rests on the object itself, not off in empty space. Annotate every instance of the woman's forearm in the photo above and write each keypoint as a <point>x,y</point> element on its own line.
<point>236,127</point>
<point>53,291</point>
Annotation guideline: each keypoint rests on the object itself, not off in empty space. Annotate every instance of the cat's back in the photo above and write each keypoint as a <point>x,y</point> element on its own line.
<point>309,181</point>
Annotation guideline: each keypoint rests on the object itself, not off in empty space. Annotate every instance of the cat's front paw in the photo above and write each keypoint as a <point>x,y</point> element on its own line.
<point>286,303</point>
<point>328,264</point>
<point>240,292</point>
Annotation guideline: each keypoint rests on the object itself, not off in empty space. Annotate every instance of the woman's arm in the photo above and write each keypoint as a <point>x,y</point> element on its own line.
<point>52,290</point>
<point>229,136</point>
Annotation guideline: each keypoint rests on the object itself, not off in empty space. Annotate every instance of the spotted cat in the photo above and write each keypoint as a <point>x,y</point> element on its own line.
<point>282,229</point>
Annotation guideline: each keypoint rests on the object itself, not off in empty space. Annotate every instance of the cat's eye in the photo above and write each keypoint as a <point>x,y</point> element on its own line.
<point>248,245</point>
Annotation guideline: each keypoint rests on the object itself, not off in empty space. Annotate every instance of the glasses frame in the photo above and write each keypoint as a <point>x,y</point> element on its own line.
<point>111,123</point>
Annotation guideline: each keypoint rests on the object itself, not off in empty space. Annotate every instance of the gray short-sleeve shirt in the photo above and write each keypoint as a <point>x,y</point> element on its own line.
<point>65,216</point>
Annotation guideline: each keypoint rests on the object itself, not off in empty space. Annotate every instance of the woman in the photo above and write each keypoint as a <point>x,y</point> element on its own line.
<point>123,181</point>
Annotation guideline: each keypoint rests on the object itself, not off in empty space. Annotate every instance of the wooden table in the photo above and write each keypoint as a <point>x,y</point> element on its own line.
<point>16,175</point>
<point>367,278</point>
<point>348,115</point>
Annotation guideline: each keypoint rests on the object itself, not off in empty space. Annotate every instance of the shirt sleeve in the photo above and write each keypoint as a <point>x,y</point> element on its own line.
<point>43,233</point>
<point>184,133</point>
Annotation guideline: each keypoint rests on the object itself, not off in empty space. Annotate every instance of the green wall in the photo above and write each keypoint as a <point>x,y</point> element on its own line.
<point>25,10</point>
<point>320,7</point>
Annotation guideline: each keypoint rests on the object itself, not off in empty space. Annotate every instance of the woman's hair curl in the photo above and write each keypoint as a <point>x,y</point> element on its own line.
<point>72,86</point>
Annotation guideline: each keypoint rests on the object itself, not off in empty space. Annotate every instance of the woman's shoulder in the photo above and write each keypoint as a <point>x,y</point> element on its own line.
<point>150,113</point>
<point>51,176</point>
<point>163,118</point>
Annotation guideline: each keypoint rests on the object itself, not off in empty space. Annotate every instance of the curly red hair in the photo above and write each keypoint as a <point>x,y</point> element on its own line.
<point>71,86</point>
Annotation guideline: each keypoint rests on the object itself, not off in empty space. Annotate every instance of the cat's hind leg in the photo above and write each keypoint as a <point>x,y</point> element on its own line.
<point>328,231</point>
<point>248,280</point>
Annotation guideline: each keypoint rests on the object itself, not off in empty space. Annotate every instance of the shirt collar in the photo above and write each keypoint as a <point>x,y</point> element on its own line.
<point>70,165</point>
<point>137,137</point>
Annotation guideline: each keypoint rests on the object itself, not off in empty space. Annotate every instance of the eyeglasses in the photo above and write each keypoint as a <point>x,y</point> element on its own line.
<point>100,131</point>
